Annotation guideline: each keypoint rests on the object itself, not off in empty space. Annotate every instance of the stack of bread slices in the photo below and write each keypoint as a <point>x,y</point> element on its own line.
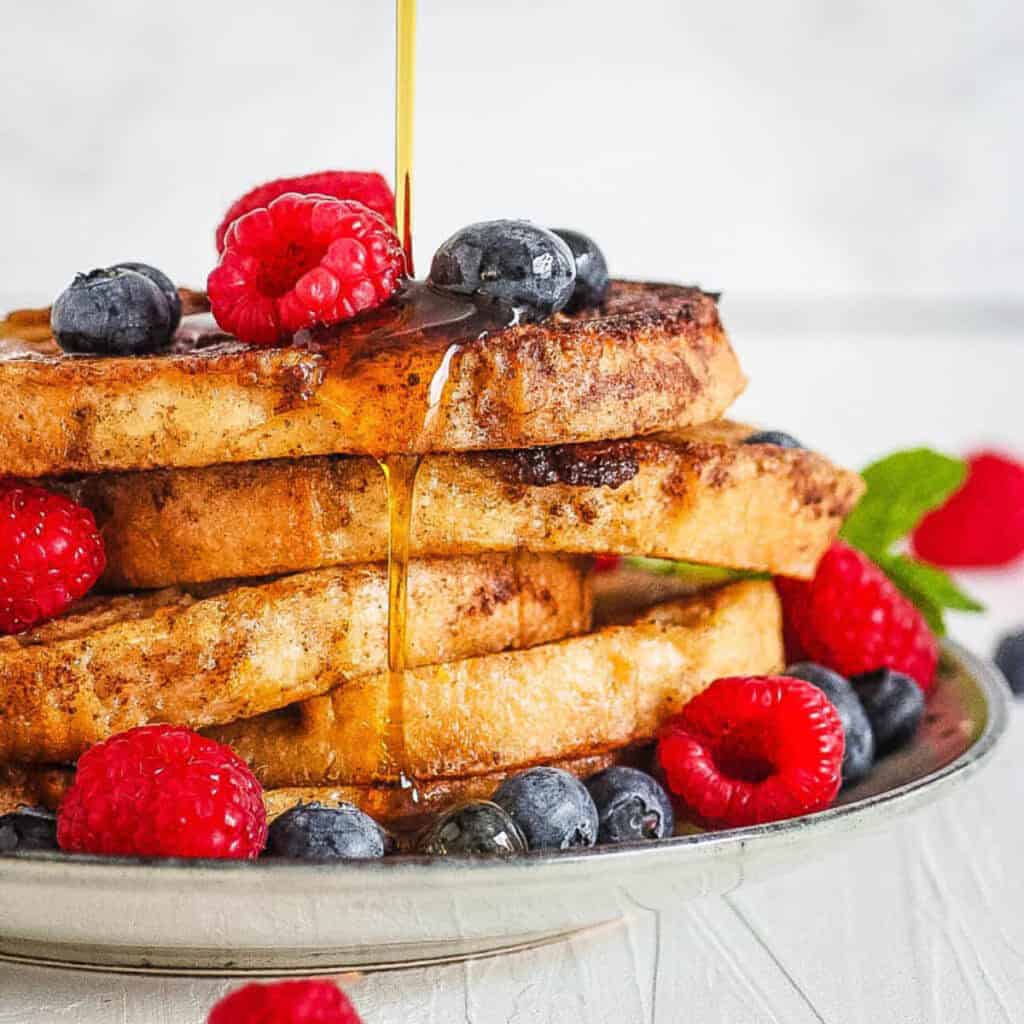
<point>245,524</point>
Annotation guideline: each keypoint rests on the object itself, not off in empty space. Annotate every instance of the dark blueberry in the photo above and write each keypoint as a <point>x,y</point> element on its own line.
<point>164,283</point>
<point>591,270</point>
<point>1010,660</point>
<point>894,704</point>
<point>551,807</point>
<point>860,740</point>
<point>527,269</point>
<point>111,313</point>
<point>314,832</point>
<point>29,828</point>
<point>630,805</point>
<point>776,437</point>
<point>473,829</point>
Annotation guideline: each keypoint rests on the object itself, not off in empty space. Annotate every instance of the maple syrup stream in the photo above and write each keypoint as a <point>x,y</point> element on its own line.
<point>400,470</point>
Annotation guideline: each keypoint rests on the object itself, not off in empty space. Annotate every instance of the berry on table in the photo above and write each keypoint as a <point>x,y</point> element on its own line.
<point>163,791</point>
<point>312,1001</point>
<point>1010,660</point>
<point>302,261</point>
<point>315,832</point>
<point>28,828</point>
<point>552,808</point>
<point>859,756</point>
<point>852,618</point>
<point>982,524</point>
<point>473,829</point>
<point>366,187</point>
<point>518,265</point>
<point>774,437</point>
<point>591,270</point>
<point>631,805</point>
<point>894,705</point>
<point>51,554</point>
<point>113,312</point>
<point>752,750</point>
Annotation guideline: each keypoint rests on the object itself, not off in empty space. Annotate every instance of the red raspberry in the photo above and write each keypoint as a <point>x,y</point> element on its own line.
<point>852,618</point>
<point>285,1002</point>
<point>50,554</point>
<point>163,791</point>
<point>747,751</point>
<point>366,187</point>
<point>982,523</point>
<point>300,262</point>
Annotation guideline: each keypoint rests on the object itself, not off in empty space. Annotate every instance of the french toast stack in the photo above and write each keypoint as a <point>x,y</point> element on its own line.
<point>245,525</point>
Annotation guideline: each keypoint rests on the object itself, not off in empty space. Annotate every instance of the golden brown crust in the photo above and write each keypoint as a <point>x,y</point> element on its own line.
<point>228,652</point>
<point>697,497</point>
<point>655,358</point>
<point>32,785</point>
<point>576,697</point>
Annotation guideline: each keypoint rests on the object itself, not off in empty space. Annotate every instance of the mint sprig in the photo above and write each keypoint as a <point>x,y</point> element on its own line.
<point>704,575</point>
<point>901,489</point>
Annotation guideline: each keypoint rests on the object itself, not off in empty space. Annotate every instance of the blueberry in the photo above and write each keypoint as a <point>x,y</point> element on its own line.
<point>1010,660</point>
<point>894,704</point>
<point>630,805</point>
<point>591,270</point>
<point>776,437</point>
<point>164,283</point>
<point>551,807</point>
<point>315,832</point>
<point>860,740</point>
<point>28,828</point>
<point>518,265</point>
<point>473,829</point>
<point>112,312</point>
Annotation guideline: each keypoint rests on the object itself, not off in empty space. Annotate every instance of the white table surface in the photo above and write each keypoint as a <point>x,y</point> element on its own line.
<point>924,923</point>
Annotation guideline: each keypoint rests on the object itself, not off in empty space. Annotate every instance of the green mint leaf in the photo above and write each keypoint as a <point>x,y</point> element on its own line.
<point>699,574</point>
<point>901,489</point>
<point>931,589</point>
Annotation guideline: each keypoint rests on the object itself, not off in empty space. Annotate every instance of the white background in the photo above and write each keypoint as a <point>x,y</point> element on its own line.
<point>793,147</point>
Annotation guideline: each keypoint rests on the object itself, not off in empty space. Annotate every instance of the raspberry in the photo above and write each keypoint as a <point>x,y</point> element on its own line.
<point>366,187</point>
<point>852,618</point>
<point>285,1002</point>
<point>747,751</point>
<point>50,554</point>
<point>982,524</point>
<point>302,261</point>
<point>163,791</point>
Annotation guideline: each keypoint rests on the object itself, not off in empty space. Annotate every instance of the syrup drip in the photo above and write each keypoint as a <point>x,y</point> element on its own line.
<point>400,478</point>
<point>400,471</point>
<point>405,103</point>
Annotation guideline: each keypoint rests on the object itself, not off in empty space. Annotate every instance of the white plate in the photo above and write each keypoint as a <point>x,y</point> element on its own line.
<point>270,917</point>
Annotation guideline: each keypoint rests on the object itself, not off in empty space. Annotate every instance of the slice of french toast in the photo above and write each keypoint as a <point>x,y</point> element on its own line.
<point>699,496</point>
<point>215,654</point>
<point>573,698</point>
<point>653,358</point>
